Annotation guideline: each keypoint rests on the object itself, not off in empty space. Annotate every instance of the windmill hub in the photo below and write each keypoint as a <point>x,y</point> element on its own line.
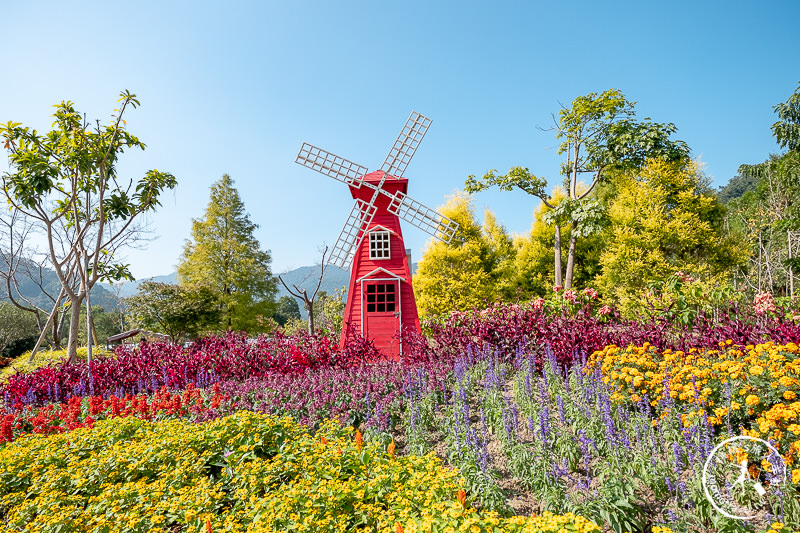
<point>380,301</point>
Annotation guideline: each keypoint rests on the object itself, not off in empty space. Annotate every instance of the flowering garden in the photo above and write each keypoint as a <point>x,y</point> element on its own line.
<point>535,416</point>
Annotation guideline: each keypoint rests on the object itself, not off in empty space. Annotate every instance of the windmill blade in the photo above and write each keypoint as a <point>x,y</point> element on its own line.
<point>423,217</point>
<point>354,229</point>
<point>331,165</point>
<point>406,144</point>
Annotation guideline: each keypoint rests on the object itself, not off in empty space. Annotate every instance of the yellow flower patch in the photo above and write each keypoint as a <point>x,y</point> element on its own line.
<point>247,472</point>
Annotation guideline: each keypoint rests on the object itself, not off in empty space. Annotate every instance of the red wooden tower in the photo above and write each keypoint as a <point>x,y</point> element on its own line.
<point>380,300</point>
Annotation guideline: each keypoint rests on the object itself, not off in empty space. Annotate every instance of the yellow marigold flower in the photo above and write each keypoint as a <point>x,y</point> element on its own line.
<point>796,475</point>
<point>789,395</point>
<point>752,400</point>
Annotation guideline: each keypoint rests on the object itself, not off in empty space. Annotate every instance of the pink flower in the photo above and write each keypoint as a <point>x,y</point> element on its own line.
<point>590,292</point>
<point>538,303</point>
<point>557,288</point>
<point>604,311</point>
<point>570,296</point>
<point>764,303</point>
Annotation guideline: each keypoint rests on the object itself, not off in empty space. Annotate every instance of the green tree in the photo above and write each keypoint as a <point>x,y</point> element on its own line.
<point>467,271</point>
<point>286,308</point>
<point>766,214</point>
<point>329,311</point>
<point>180,311</point>
<point>787,129</point>
<point>663,219</point>
<point>598,134</point>
<point>16,326</point>
<point>224,253</point>
<point>105,324</point>
<point>66,183</point>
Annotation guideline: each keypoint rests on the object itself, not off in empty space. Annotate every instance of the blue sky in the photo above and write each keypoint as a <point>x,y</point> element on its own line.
<point>237,87</point>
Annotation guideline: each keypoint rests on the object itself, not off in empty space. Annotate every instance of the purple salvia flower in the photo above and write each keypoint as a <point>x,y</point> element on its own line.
<point>562,413</point>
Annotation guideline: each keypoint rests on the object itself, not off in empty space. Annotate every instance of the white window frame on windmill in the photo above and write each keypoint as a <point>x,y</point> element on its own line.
<point>380,243</point>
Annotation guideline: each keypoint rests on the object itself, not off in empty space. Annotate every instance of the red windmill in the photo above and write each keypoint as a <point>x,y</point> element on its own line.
<point>380,301</point>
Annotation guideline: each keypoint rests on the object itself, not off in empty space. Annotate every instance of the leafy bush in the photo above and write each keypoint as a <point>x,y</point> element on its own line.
<point>149,366</point>
<point>572,330</point>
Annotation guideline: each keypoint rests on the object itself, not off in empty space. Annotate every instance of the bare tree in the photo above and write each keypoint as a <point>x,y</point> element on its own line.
<point>23,265</point>
<point>302,294</point>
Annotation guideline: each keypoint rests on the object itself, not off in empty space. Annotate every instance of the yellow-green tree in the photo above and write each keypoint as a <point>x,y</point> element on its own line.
<point>469,270</point>
<point>532,273</point>
<point>225,255</point>
<point>662,220</point>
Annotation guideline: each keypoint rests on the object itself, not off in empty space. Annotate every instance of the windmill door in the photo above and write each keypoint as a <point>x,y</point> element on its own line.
<point>381,305</point>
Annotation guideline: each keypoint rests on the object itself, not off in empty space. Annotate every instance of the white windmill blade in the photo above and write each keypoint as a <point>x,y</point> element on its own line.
<point>331,165</point>
<point>354,229</point>
<point>406,144</point>
<point>423,217</point>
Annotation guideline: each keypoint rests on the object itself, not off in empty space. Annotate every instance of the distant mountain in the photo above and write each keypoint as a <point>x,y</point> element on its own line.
<point>304,277</point>
<point>99,295</point>
<point>129,288</point>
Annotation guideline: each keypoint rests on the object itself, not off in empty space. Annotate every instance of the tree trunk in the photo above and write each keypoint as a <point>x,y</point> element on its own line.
<point>309,305</point>
<point>74,328</point>
<point>58,326</point>
<point>571,255</point>
<point>557,249</point>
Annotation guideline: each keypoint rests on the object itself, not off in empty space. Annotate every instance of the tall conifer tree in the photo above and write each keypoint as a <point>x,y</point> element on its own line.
<point>224,253</point>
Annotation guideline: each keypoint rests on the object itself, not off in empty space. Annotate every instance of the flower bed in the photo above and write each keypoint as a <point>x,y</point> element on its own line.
<point>749,389</point>
<point>244,472</point>
<point>83,412</point>
<point>574,330</point>
<point>147,367</point>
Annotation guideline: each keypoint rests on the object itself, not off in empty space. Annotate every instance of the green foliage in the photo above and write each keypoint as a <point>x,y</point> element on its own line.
<point>329,312</point>
<point>598,135</point>
<point>286,308</point>
<point>179,311</point>
<point>468,271</point>
<point>106,324</point>
<point>224,253</point>
<point>16,327</point>
<point>660,223</point>
<point>533,273</point>
<point>764,215</point>
<point>737,187</point>
<point>787,129</point>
